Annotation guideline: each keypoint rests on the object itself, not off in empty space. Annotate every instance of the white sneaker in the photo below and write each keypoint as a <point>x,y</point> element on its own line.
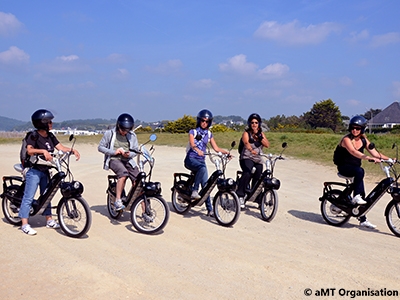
<point>118,205</point>
<point>241,200</point>
<point>357,199</point>
<point>367,224</point>
<point>28,230</point>
<point>195,195</point>
<point>52,224</point>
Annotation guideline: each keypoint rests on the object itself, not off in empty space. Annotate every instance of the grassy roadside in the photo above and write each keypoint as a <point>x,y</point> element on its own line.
<point>308,146</point>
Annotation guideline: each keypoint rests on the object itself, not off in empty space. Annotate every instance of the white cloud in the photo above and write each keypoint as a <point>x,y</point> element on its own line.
<point>275,70</point>
<point>14,56</point>
<point>121,74</point>
<point>359,36</point>
<point>171,66</point>
<point>238,64</point>
<point>293,34</point>
<point>9,24</point>
<point>346,81</point>
<point>68,58</point>
<point>204,83</point>
<point>385,39</point>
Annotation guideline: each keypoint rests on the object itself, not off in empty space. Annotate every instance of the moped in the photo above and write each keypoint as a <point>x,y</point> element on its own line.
<point>73,212</point>
<point>337,207</point>
<point>226,206</point>
<point>265,189</point>
<point>149,211</point>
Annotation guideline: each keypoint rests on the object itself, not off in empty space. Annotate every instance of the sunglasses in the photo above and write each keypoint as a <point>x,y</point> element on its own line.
<point>254,122</point>
<point>355,128</point>
<point>204,120</point>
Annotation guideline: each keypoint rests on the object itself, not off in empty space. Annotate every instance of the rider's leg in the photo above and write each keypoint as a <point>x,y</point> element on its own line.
<point>247,166</point>
<point>257,174</point>
<point>358,174</point>
<point>199,168</point>
<point>32,181</point>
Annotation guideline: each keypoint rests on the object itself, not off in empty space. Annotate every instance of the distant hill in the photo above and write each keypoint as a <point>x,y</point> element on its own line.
<point>7,124</point>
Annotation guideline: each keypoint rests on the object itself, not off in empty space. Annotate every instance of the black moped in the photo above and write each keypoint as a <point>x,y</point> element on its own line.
<point>337,207</point>
<point>264,192</point>
<point>73,212</point>
<point>149,211</point>
<point>226,206</point>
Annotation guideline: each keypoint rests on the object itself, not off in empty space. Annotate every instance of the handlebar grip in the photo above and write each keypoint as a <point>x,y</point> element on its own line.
<point>371,160</point>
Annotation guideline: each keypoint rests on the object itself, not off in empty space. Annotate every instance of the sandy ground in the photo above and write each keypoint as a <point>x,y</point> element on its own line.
<point>194,257</point>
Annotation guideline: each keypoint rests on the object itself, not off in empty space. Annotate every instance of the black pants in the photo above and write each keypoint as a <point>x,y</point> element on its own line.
<point>247,167</point>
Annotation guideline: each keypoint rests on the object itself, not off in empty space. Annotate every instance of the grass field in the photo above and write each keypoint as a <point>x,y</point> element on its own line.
<point>317,147</point>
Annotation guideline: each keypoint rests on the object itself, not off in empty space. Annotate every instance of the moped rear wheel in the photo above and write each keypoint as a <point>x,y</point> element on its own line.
<point>226,208</point>
<point>180,205</point>
<point>10,210</point>
<point>393,217</point>
<point>332,214</point>
<point>152,219</point>
<point>115,214</point>
<point>74,216</point>
<point>269,205</point>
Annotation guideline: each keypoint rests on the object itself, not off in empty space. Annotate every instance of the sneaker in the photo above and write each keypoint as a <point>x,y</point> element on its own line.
<point>358,200</point>
<point>147,218</point>
<point>367,224</point>
<point>118,205</point>
<point>52,224</point>
<point>195,195</point>
<point>210,213</point>
<point>28,230</point>
<point>241,200</point>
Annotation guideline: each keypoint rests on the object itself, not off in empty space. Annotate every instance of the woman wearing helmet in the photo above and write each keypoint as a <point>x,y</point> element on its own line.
<point>117,145</point>
<point>253,140</point>
<point>195,159</point>
<point>40,142</point>
<point>348,155</point>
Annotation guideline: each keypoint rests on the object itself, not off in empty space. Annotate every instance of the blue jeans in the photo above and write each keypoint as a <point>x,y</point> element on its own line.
<point>358,174</point>
<point>201,175</point>
<point>34,178</point>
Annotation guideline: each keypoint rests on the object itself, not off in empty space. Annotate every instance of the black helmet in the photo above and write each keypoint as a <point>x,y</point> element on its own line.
<point>41,119</point>
<point>358,121</point>
<point>252,117</point>
<point>125,122</point>
<point>204,114</point>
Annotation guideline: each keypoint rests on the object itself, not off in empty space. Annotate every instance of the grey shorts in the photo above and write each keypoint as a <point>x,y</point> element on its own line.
<point>122,168</point>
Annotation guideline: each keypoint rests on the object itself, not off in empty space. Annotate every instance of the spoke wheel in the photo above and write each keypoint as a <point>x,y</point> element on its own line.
<point>393,217</point>
<point>74,216</point>
<point>10,210</point>
<point>269,205</point>
<point>180,206</point>
<point>154,218</point>
<point>332,214</point>
<point>226,208</point>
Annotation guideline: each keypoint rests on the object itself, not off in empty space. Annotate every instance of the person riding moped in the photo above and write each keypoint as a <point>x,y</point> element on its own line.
<point>253,140</point>
<point>348,155</point>
<point>195,157</point>
<point>115,145</point>
<point>42,142</point>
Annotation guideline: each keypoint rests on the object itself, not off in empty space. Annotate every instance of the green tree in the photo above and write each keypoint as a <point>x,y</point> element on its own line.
<point>182,125</point>
<point>325,114</point>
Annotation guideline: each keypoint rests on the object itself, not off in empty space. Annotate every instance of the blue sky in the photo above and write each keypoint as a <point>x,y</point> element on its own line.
<point>162,59</point>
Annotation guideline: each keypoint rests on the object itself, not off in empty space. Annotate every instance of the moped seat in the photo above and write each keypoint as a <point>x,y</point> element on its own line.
<point>348,179</point>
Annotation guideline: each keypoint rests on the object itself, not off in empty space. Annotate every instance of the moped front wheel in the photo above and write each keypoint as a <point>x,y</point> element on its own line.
<point>180,205</point>
<point>74,216</point>
<point>392,214</point>
<point>115,214</point>
<point>10,210</point>
<point>269,205</point>
<point>226,208</point>
<point>152,218</point>
<point>332,214</point>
